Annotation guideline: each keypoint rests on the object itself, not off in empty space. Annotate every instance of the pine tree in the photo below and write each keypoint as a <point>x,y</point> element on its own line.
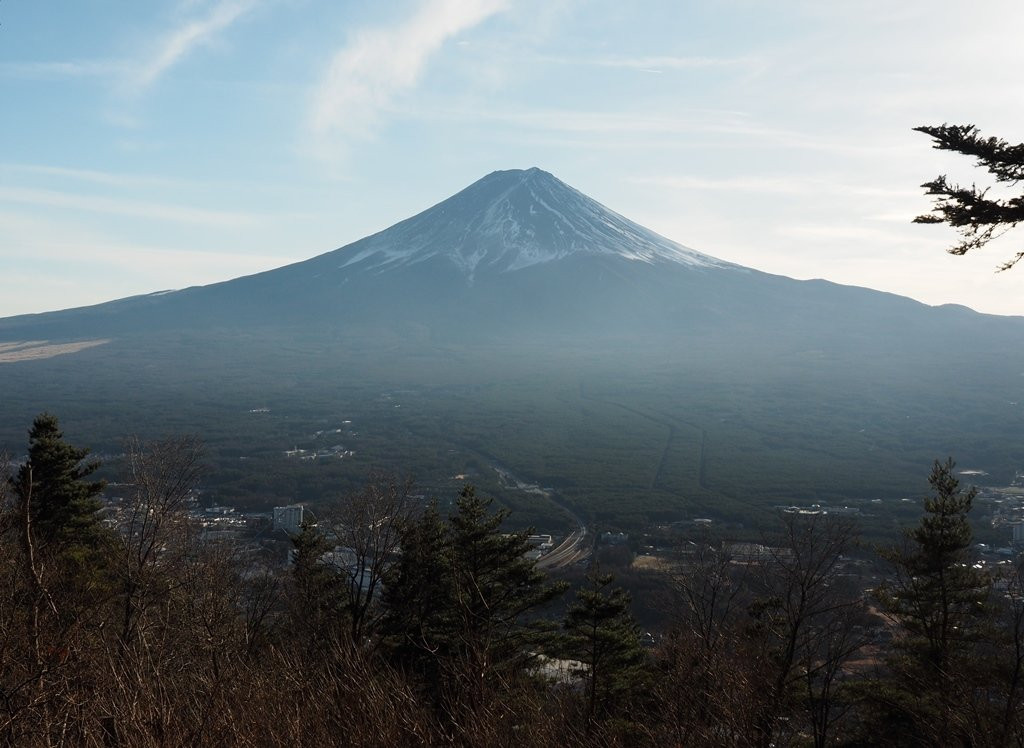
<point>460,604</point>
<point>940,602</point>
<point>418,599</point>
<point>61,502</point>
<point>317,611</point>
<point>494,584</point>
<point>940,597</point>
<point>978,217</point>
<point>604,637</point>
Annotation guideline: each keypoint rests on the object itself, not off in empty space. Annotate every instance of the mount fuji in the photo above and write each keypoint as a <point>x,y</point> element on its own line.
<point>517,247</point>
<point>544,331</point>
<point>518,253</point>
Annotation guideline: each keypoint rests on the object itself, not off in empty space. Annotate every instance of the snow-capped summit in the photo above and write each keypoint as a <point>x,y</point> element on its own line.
<point>511,220</point>
<point>517,254</point>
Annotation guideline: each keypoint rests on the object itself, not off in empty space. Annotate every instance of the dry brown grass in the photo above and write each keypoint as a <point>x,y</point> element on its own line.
<point>30,350</point>
<point>651,563</point>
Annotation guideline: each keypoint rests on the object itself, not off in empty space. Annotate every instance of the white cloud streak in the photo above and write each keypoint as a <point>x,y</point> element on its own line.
<point>177,44</point>
<point>657,63</point>
<point>786,184</point>
<point>93,176</point>
<point>135,76</point>
<point>364,76</point>
<point>135,208</point>
<point>62,69</point>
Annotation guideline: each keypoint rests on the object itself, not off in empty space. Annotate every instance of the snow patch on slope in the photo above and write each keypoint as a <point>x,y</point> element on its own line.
<point>512,220</point>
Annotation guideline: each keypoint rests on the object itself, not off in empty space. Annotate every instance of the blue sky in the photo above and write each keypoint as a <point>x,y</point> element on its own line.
<point>171,143</point>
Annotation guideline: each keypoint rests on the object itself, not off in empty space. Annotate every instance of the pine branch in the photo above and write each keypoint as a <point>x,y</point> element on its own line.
<point>1004,161</point>
<point>977,218</point>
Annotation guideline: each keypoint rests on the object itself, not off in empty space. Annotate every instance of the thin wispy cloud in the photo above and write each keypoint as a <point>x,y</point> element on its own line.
<point>134,76</point>
<point>738,128</point>
<point>101,266</point>
<point>788,184</point>
<point>62,69</point>
<point>156,260</point>
<point>578,121</point>
<point>136,208</point>
<point>376,65</point>
<point>659,63</point>
<point>93,176</point>
<point>857,232</point>
<point>179,42</point>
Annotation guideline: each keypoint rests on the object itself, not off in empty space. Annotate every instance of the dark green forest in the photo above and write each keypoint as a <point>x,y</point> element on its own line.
<point>404,621</point>
<point>658,434</point>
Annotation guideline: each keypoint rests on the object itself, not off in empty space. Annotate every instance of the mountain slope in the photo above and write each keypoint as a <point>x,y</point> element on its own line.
<point>527,325</point>
<point>508,221</point>
<point>517,253</point>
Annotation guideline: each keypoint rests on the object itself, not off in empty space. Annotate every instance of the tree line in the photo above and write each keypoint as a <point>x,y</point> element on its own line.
<point>396,624</point>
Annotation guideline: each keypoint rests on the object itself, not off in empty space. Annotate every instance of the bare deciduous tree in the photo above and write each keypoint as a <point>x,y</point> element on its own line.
<point>808,619</point>
<point>1010,660</point>
<point>154,534</point>
<point>707,693</point>
<point>368,526</point>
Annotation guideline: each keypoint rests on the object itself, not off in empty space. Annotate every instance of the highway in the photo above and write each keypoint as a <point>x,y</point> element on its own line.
<point>577,544</point>
<point>574,548</point>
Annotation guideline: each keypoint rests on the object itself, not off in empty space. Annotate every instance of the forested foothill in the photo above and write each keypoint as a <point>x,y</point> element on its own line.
<point>626,436</point>
<point>395,619</point>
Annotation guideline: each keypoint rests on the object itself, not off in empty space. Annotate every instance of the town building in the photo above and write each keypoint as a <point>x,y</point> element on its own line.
<point>288,518</point>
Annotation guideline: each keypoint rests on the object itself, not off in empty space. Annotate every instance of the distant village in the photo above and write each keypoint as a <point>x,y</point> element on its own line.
<point>267,535</point>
